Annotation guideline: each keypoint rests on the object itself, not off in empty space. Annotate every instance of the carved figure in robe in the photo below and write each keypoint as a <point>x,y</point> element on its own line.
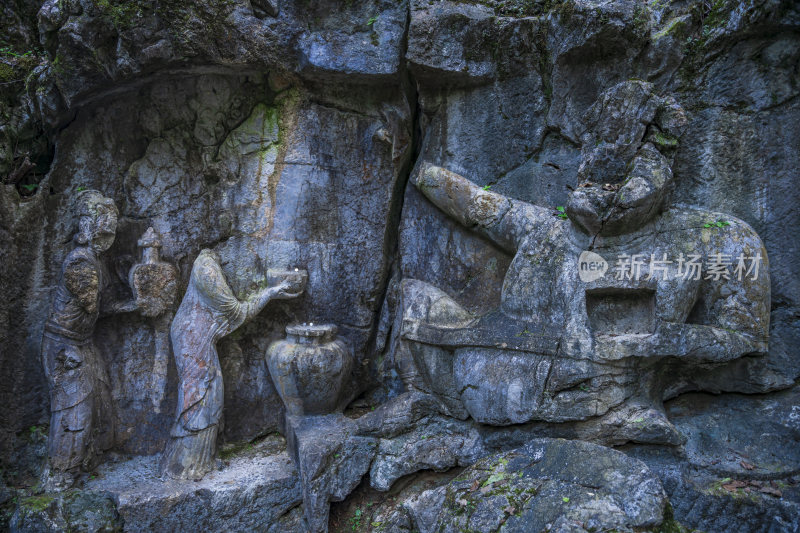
<point>81,422</point>
<point>208,312</point>
<point>562,349</point>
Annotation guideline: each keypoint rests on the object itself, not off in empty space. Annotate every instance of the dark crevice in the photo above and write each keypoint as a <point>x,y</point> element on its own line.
<point>391,251</point>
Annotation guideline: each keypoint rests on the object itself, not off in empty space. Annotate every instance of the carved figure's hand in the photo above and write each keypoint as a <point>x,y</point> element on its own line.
<point>288,289</point>
<point>70,359</point>
<point>128,307</point>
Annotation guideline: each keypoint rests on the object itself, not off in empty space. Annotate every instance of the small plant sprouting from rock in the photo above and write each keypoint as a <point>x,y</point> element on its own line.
<point>494,478</point>
<point>664,140</point>
<point>374,37</point>
<point>8,51</point>
<point>37,433</point>
<point>562,212</point>
<point>717,224</point>
<point>486,187</point>
<point>355,520</point>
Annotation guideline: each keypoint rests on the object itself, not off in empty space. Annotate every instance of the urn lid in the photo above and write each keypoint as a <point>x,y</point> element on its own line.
<point>150,239</point>
<point>312,330</point>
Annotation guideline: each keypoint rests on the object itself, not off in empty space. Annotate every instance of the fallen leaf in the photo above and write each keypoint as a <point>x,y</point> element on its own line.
<point>746,465</point>
<point>475,486</point>
<point>510,509</point>
<point>462,502</point>
<point>733,485</point>
<point>771,491</point>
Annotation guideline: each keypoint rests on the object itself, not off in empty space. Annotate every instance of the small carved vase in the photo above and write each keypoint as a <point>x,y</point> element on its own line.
<point>154,282</point>
<point>309,368</point>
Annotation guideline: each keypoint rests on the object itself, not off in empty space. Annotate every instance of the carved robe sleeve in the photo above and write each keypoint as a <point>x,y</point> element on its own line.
<point>211,282</point>
<point>83,280</point>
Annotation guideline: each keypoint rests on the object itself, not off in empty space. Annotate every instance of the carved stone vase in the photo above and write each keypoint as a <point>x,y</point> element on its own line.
<point>154,282</point>
<point>309,368</point>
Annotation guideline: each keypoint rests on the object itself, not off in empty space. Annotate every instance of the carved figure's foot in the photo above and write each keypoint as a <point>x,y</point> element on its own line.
<point>190,456</point>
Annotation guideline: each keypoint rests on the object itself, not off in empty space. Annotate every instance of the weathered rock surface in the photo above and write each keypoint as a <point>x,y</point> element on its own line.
<point>740,466</point>
<point>547,485</point>
<point>331,459</point>
<point>71,511</point>
<point>434,443</point>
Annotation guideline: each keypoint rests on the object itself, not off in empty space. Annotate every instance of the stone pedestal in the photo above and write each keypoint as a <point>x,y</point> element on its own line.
<point>257,489</point>
<point>331,460</point>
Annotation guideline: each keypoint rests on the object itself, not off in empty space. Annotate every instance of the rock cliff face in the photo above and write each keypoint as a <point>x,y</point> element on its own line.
<point>287,134</point>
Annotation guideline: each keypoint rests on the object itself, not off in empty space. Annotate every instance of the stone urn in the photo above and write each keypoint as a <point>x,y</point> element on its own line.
<point>154,283</point>
<point>309,368</point>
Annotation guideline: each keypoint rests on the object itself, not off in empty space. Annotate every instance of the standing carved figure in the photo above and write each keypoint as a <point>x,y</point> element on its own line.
<point>208,312</point>
<point>80,397</point>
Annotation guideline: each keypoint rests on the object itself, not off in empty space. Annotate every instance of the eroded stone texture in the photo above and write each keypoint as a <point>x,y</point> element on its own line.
<point>547,485</point>
<point>331,458</point>
<point>738,469</point>
<point>69,511</point>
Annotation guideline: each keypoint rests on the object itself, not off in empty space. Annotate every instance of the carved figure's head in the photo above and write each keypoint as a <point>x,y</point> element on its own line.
<point>97,220</point>
<point>625,176</point>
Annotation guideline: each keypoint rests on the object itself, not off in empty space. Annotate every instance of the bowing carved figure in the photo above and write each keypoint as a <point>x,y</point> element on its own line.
<point>208,312</point>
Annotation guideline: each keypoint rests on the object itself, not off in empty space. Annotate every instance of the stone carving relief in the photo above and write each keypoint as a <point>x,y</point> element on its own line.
<point>81,426</point>
<point>154,284</point>
<point>208,312</point>
<point>562,349</point>
<point>518,240</point>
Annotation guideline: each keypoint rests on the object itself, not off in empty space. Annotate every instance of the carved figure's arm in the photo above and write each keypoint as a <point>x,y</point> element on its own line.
<point>732,315</point>
<point>256,303</point>
<point>695,342</point>
<point>114,307</point>
<point>500,219</point>
<point>83,280</point>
